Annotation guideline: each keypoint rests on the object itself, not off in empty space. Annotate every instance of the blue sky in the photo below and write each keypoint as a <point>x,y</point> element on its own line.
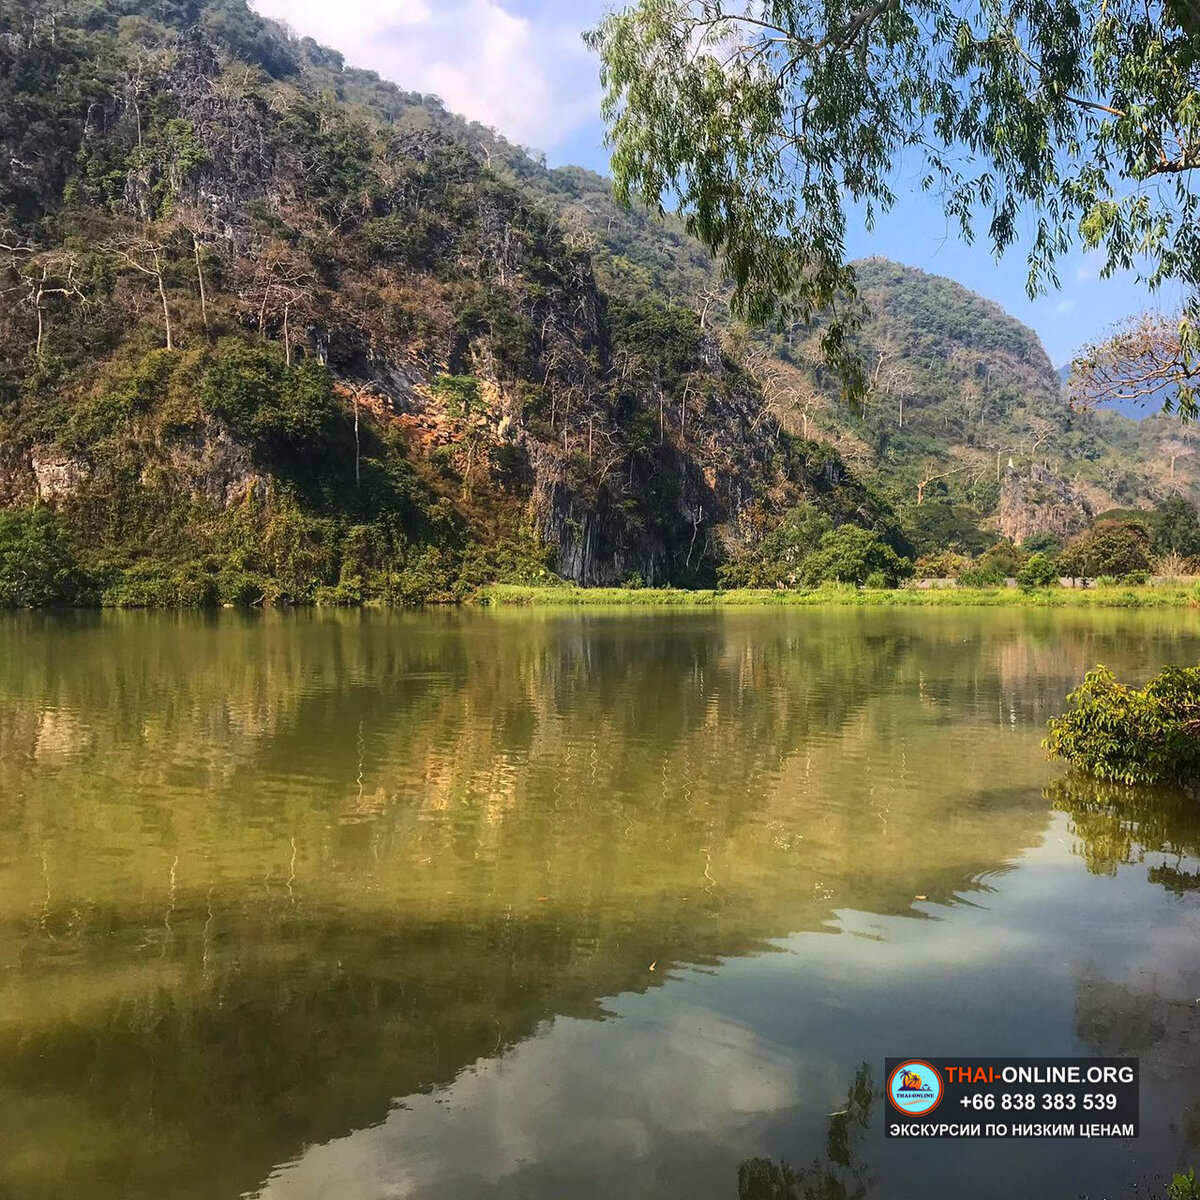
<point>520,66</point>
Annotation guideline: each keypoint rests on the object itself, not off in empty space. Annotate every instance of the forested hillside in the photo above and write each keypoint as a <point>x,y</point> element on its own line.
<point>274,328</point>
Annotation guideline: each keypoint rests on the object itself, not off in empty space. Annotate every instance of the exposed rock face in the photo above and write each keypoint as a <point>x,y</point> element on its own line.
<point>1040,502</point>
<point>215,467</point>
<point>58,475</point>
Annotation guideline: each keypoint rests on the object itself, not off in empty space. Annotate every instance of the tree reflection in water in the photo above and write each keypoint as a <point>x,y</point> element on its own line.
<point>841,1174</point>
<point>1116,825</point>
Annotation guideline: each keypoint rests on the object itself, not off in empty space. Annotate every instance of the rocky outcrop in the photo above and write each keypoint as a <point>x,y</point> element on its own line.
<point>212,466</point>
<point>1040,502</point>
<point>59,475</point>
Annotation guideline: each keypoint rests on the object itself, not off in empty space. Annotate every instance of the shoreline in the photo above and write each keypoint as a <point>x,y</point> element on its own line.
<point>573,596</point>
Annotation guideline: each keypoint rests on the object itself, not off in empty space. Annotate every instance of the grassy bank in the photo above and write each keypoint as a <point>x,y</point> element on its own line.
<point>514,596</point>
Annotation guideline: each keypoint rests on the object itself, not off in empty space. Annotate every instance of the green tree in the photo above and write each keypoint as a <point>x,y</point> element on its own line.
<point>767,118</point>
<point>1132,735</point>
<point>1109,548</point>
<point>282,411</point>
<point>853,555</point>
<point>942,526</point>
<point>1042,543</point>
<point>1040,571</point>
<point>1178,530</point>
<point>779,557</point>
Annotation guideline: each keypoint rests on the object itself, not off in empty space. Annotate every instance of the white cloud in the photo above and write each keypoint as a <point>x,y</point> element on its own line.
<point>599,1102</point>
<point>1065,307</point>
<point>529,77</point>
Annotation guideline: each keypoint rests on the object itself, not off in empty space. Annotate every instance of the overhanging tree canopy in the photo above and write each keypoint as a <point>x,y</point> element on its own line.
<point>765,118</point>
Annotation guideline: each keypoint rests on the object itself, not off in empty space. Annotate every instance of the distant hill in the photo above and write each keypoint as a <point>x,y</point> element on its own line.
<point>960,388</point>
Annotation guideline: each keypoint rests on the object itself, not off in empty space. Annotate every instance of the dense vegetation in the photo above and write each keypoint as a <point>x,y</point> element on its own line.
<point>275,330</point>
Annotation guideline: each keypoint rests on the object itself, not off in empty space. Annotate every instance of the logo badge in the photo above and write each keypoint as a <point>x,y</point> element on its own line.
<point>915,1088</point>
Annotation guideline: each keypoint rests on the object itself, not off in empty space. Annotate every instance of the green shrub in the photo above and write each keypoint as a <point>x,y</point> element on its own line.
<point>982,577</point>
<point>1043,543</point>
<point>1004,558</point>
<point>878,581</point>
<point>459,393</point>
<point>156,585</point>
<point>780,555</point>
<point>1039,572</point>
<point>346,593</point>
<point>37,566</point>
<point>1133,735</point>
<point>943,565</point>
<point>282,412</point>
<point>241,588</point>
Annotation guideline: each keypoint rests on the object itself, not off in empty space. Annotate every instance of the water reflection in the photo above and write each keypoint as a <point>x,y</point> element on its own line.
<point>1151,1015</point>
<point>1115,824</point>
<point>263,881</point>
<point>842,1173</point>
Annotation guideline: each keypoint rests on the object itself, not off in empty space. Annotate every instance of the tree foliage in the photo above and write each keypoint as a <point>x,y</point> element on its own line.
<point>1112,548</point>
<point>216,239</point>
<point>857,556</point>
<point>1040,571</point>
<point>1131,735</point>
<point>767,119</point>
<point>277,409</point>
<point>1177,530</point>
<point>780,556</point>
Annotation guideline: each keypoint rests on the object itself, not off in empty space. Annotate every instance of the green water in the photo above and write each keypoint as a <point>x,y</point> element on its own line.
<point>590,905</point>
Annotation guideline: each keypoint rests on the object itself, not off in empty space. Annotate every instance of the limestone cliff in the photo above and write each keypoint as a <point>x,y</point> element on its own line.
<point>1037,501</point>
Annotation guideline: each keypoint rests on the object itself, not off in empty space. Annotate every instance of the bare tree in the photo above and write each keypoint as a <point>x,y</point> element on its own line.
<point>708,298</point>
<point>1145,359</point>
<point>39,278</point>
<point>147,256</point>
<point>1040,432</point>
<point>892,379</point>
<point>931,474</point>
<point>194,223</point>
<point>1002,450</point>
<point>1175,450</point>
<point>282,281</point>
<point>358,392</point>
<point>789,395</point>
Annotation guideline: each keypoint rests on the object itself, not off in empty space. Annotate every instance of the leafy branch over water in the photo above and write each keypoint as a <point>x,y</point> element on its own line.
<point>1133,735</point>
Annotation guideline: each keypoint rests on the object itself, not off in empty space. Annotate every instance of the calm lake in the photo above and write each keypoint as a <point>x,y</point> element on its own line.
<point>570,905</point>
